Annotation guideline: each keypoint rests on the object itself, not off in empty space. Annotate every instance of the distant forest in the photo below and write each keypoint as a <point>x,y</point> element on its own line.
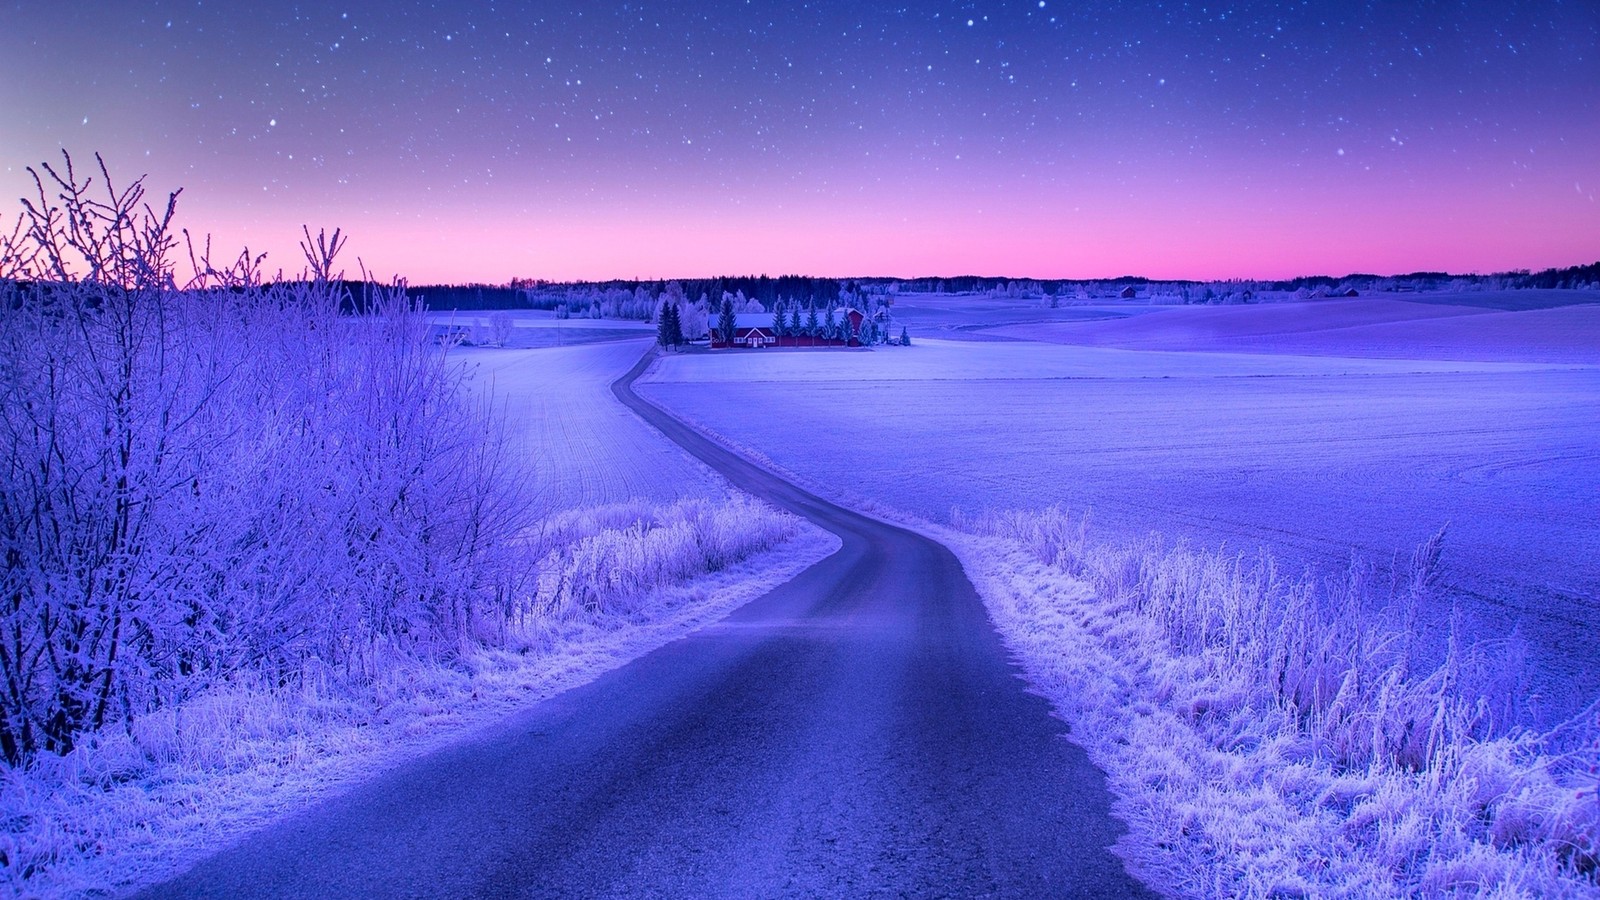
<point>576,297</point>
<point>530,294</point>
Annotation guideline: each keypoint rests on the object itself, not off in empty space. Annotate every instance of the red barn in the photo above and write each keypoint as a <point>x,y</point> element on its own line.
<point>754,331</point>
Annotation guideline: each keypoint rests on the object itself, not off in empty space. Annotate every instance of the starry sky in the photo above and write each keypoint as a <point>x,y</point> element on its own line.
<point>479,141</point>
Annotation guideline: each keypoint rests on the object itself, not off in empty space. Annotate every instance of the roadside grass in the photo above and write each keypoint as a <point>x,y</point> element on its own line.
<point>1277,736</point>
<point>132,805</point>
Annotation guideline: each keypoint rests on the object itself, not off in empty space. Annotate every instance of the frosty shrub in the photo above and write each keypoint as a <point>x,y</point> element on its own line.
<point>1339,658</point>
<point>1290,736</point>
<point>221,477</point>
<point>600,583</point>
<point>501,328</point>
<point>252,527</point>
<point>600,561</point>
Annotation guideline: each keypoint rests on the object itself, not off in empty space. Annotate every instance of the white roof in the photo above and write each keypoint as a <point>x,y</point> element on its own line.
<point>748,320</point>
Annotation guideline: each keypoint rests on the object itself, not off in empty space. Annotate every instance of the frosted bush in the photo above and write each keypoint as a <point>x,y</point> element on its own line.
<point>599,561</point>
<point>229,478</point>
<point>1280,735</point>
<point>246,525</point>
<point>64,815</point>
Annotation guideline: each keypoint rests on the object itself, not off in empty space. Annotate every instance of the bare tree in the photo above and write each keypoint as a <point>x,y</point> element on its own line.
<point>225,478</point>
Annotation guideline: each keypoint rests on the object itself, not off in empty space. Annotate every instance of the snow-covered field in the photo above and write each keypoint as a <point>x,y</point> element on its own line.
<point>1267,734</point>
<point>1306,430</point>
<point>1308,457</point>
<point>532,329</point>
<point>976,318</point>
<point>583,447</point>
<point>1544,326</point>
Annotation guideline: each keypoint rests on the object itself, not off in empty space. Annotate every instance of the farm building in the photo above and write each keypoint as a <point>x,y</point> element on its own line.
<point>755,331</point>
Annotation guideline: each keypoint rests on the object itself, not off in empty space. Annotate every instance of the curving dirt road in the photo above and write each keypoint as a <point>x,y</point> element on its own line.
<point>858,731</point>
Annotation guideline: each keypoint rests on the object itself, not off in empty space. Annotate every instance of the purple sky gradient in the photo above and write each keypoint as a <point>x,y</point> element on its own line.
<point>476,142</point>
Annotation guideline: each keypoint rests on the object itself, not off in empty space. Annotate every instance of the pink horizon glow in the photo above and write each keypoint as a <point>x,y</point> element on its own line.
<point>1071,141</point>
<point>1160,243</point>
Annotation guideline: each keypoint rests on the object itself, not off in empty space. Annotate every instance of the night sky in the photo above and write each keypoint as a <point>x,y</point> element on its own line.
<point>477,141</point>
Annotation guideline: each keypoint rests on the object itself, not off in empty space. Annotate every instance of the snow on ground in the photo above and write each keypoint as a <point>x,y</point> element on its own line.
<point>531,329</point>
<point>931,360</point>
<point>542,319</point>
<point>105,822</point>
<point>976,318</point>
<point>1503,326</point>
<point>584,448</point>
<point>1184,672</point>
<point>130,809</point>
<point>1306,457</point>
<point>1232,787</point>
<point>1510,301</point>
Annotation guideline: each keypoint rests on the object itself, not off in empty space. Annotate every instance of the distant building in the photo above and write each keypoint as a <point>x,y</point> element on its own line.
<point>754,331</point>
<point>749,330</point>
<point>1128,293</point>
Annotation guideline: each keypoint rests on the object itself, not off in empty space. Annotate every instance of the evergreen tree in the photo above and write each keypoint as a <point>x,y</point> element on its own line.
<point>778,328</point>
<point>725,320</point>
<point>674,326</point>
<point>794,317</point>
<point>813,325</point>
<point>662,328</point>
<point>830,325</point>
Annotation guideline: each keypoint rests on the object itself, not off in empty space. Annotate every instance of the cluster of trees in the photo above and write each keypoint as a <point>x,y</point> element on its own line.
<point>638,300</point>
<point>221,479</point>
<point>669,326</point>
<point>789,319</point>
<point>1587,277</point>
<point>641,299</point>
<point>468,296</point>
<point>762,289</point>
<point>832,322</point>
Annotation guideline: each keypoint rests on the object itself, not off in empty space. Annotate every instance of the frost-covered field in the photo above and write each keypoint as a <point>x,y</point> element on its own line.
<point>582,446</point>
<point>1268,734</point>
<point>1308,457</point>
<point>1519,326</point>
<point>978,318</point>
<point>1271,737</point>
<point>531,329</point>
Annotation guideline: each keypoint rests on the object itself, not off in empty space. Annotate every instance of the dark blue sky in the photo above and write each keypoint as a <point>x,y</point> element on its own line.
<point>481,141</point>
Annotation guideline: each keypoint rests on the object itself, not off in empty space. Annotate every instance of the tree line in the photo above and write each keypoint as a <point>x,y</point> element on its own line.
<point>633,299</point>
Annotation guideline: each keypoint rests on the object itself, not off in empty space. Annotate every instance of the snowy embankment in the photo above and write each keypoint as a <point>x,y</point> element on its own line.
<point>615,582</point>
<point>1314,458</point>
<point>258,537</point>
<point>1269,737</point>
<point>634,545</point>
<point>1266,734</point>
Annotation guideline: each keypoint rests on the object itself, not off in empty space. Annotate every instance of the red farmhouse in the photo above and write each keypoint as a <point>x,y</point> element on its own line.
<point>754,330</point>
